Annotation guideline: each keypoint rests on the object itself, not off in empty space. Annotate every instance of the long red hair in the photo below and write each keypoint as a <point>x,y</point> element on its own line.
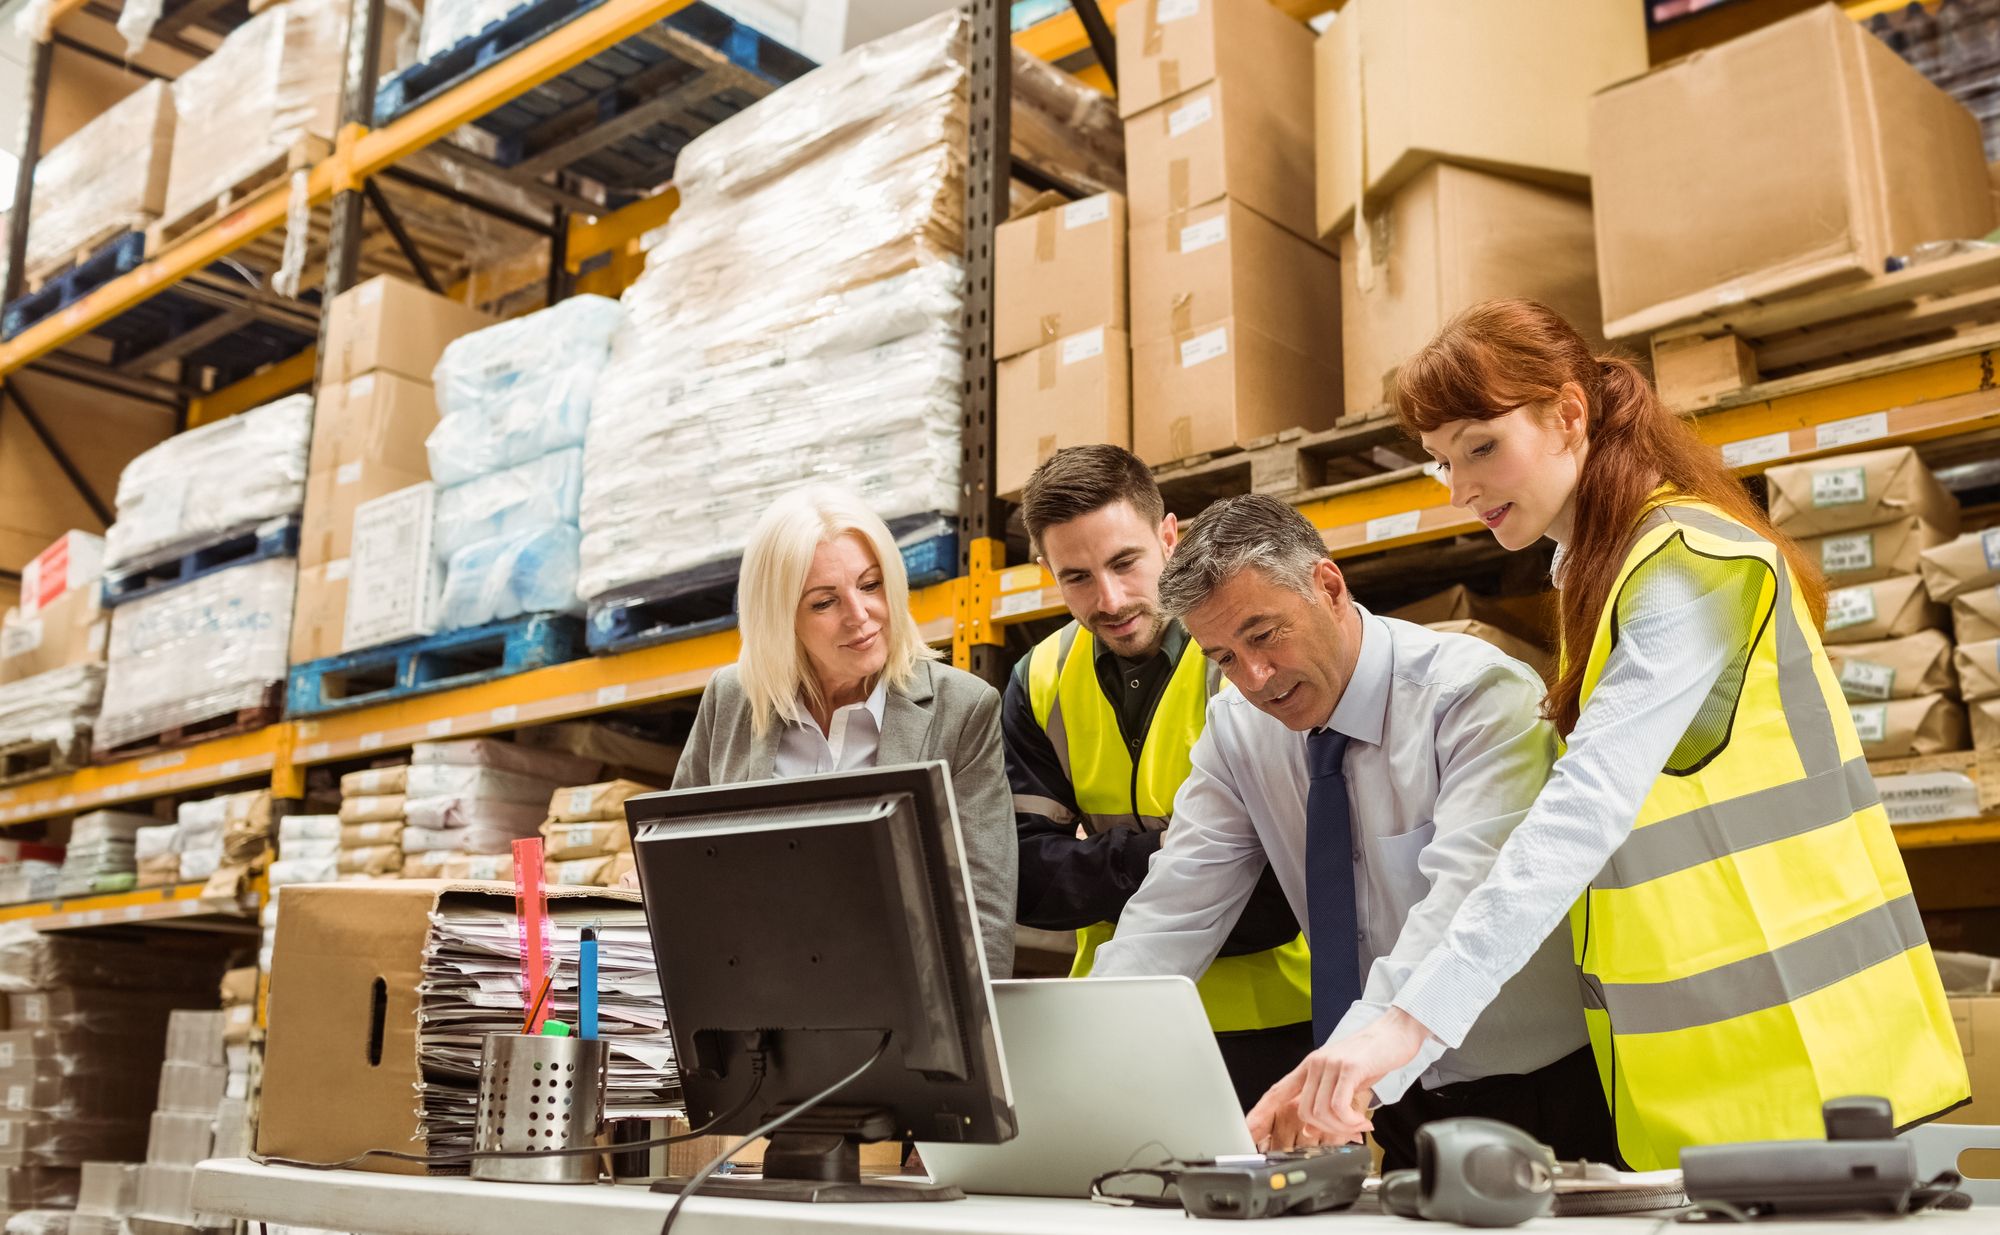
<point>1507,354</point>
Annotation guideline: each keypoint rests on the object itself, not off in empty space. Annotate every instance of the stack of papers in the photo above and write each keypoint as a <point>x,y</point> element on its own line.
<point>472,987</point>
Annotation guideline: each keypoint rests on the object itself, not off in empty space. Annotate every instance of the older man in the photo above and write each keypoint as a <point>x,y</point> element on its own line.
<point>1378,767</point>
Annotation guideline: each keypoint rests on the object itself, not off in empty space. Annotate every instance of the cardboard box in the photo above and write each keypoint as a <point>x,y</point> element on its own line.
<point>590,803</point>
<point>1925,725</point>
<point>389,324</point>
<point>1893,548</point>
<point>378,417</point>
<point>1800,155</point>
<point>372,808</point>
<point>1886,609</point>
<point>1225,386</point>
<point>337,1072</point>
<point>1975,616</point>
<point>72,560</point>
<point>1448,239</point>
<point>1977,1018</point>
<point>1241,138</point>
<point>1058,270</point>
<point>319,615</point>
<point>1978,666</point>
<point>1963,565</point>
<point>393,586</point>
<point>376,780</point>
<point>1169,47</point>
<point>1529,618</point>
<point>239,986</point>
<point>333,495</point>
<point>1919,664</point>
<point>1843,492</point>
<point>600,838</point>
<point>1073,392</point>
<point>1225,260</point>
<point>72,630</point>
<point>1529,654</point>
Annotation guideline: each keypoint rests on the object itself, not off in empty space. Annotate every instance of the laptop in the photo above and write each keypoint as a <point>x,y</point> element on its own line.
<point>1107,1073</point>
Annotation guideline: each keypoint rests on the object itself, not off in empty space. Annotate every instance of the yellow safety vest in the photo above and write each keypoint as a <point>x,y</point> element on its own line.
<point>1753,948</point>
<point>1260,991</point>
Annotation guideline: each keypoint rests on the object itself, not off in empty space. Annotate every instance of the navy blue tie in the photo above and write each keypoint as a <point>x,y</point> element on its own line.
<point>1333,921</point>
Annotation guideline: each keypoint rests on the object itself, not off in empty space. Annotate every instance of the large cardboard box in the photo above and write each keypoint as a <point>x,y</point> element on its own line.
<point>393,581</point>
<point>388,324</point>
<point>319,617</point>
<point>72,560</point>
<point>1919,664</point>
<point>1448,239</point>
<point>71,631</point>
<point>334,494</point>
<point>1076,391</point>
<point>1842,492</point>
<point>1925,725</point>
<point>1800,155</point>
<point>1975,616</point>
<point>1243,138</point>
<point>1885,609</point>
<point>1225,385</point>
<point>340,1059</point>
<point>1059,270</point>
<point>1169,47</point>
<point>1224,260</point>
<point>1966,564</point>
<point>1977,1018</point>
<point>379,417</point>
<point>1400,84</point>
<point>1894,548</point>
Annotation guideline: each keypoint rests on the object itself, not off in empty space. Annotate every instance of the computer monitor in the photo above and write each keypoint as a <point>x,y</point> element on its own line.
<point>800,920</point>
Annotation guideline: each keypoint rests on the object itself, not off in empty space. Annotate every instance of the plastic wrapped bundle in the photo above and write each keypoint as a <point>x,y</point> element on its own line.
<point>519,390</point>
<point>1065,127</point>
<point>543,493</point>
<point>798,317</point>
<point>448,21</point>
<point>50,707</point>
<point>431,780</point>
<point>218,479</point>
<point>100,855</point>
<point>509,576</point>
<point>109,177</point>
<point>553,765</point>
<point>239,112</point>
<point>32,880</point>
<point>197,651</point>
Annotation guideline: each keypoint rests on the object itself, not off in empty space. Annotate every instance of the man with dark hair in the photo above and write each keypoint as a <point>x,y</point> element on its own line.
<point>1376,767</point>
<point>1099,721</point>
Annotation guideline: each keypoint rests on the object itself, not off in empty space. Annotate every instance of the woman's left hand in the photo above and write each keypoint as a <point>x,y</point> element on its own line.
<point>1341,1076</point>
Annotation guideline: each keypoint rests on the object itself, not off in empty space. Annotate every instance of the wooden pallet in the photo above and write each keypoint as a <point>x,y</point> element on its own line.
<point>1294,465</point>
<point>268,177</point>
<point>37,277</point>
<point>32,760</point>
<point>1761,349</point>
<point>268,710</point>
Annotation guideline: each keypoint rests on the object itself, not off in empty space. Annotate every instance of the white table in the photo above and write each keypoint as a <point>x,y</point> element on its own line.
<point>371,1204</point>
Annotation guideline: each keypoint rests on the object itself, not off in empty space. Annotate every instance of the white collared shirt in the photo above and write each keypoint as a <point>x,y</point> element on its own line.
<point>1446,754</point>
<point>853,739</point>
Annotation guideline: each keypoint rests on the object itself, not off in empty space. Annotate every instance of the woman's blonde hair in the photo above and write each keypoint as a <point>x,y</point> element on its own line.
<point>772,665</point>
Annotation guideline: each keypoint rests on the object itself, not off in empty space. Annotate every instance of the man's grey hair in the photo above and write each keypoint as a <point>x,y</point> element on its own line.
<point>1236,534</point>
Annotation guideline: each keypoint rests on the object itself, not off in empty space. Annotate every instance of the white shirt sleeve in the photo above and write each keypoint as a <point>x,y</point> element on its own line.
<point>1678,630</point>
<point>1198,881</point>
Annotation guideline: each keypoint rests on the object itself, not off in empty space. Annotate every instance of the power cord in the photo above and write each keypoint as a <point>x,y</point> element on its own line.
<point>714,1164</point>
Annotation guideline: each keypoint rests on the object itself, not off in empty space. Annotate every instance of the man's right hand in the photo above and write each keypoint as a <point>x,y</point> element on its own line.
<point>1274,1122</point>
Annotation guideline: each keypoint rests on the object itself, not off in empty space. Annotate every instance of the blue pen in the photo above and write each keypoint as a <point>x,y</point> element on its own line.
<point>586,996</point>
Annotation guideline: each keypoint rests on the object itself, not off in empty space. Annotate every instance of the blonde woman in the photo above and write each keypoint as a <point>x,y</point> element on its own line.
<point>834,676</point>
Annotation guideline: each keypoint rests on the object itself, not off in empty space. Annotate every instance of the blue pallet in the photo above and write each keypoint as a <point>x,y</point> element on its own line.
<point>607,118</point>
<point>703,600</point>
<point>72,283</point>
<point>434,662</point>
<point>239,548</point>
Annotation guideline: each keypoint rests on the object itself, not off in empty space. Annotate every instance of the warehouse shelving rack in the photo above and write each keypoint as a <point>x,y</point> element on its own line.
<point>1945,396</point>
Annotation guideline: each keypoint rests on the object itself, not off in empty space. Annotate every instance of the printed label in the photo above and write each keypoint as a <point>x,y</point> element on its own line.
<point>1085,346</point>
<point>579,801</point>
<point>505,715</point>
<point>6,1054</point>
<point>336,571</point>
<point>159,763</point>
<point>370,741</point>
<point>1175,10</point>
<point>1388,527</point>
<point>1017,602</point>
<point>1871,722</point>
<point>1205,347</point>
<point>348,473</point>
<point>608,695</point>
<point>361,387</point>
<point>580,835</point>
<point>1989,544</point>
<point>1865,679</point>
<point>35,1009</point>
<point>1084,213</point>
<point>17,1097</point>
<point>438,728</point>
<point>1754,450</point>
<point>1209,232</point>
<point>1190,116</point>
<point>1845,554</point>
<point>1853,429</point>
<point>21,638</point>
<point>1928,797</point>
<point>1842,486</point>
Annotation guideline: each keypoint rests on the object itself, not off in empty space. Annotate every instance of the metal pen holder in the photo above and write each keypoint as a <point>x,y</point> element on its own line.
<point>539,1093</point>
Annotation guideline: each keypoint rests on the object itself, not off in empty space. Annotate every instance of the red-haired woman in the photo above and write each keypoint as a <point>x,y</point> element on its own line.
<point>1739,912</point>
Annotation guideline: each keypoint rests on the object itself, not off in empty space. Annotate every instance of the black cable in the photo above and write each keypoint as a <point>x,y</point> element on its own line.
<point>397,1155</point>
<point>713,1164</point>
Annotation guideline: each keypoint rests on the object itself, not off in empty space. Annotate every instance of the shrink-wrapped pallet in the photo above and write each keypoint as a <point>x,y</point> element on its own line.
<point>110,176</point>
<point>50,707</point>
<point>207,482</point>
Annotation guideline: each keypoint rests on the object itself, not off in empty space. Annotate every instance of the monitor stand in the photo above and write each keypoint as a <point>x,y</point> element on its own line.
<point>821,1164</point>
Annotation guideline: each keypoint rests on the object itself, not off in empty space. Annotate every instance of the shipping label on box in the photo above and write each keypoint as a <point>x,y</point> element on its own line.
<point>1073,392</point>
<point>389,324</point>
<point>73,560</point>
<point>71,630</point>
<point>1873,553</point>
<point>333,495</point>
<point>1170,47</point>
<point>1241,139</point>
<point>1858,491</point>
<point>1918,664</point>
<point>393,582</point>
<point>1222,387</point>
<point>1223,260</point>
<point>379,417</point>
<point>1059,270</point>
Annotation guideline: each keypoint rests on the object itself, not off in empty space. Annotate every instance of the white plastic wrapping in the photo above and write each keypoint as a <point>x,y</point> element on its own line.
<point>798,317</point>
<point>220,478</point>
<point>448,21</point>
<point>298,829</point>
<point>510,576</point>
<point>555,765</point>
<point>1065,127</point>
<point>50,707</point>
<point>196,651</point>
<point>109,177</point>
<point>537,495</point>
<point>274,80</point>
<point>285,872</point>
<point>431,780</point>
<point>463,811</point>
<point>519,390</point>
<point>154,842</point>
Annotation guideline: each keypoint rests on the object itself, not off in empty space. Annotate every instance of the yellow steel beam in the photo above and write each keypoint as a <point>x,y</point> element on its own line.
<point>57,11</point>
<point>259,388</point>
<point>215,762</point>
<point>1947,832</point>
<point>183,900</point>
<point>588,238</point>
<point>1062,36</point>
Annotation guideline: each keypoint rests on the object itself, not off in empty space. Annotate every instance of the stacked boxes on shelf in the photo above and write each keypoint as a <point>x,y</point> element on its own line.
<point>1452,164</point>
<point>108,177</point>
<point>585,841</point>
<point>225,835</point>
<point>29,871</point>
<point>371,822</point>
<point>106,1197</point>
<point>154,857</point>
<point>308,851</point>
<point>1965,573</point>
<point>1234,302</point>
<point>52,646</point>
<point>197,1118</point>
<point>477,797</point>
<point>100,854</point>
<point>1865,518</point>
<point>376,408</point>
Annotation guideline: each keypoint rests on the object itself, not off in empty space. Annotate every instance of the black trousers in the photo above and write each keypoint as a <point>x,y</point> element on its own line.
<point>1259,1058</point>
<point>1561,1105</point>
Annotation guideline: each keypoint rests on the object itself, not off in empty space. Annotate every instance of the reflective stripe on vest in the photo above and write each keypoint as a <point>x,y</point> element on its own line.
<point>1752,949</point>
<point>1263,990</point>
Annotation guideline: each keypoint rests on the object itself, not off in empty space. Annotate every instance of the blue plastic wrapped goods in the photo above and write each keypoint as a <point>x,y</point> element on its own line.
<point>539,494</point>
<point>507,576</point>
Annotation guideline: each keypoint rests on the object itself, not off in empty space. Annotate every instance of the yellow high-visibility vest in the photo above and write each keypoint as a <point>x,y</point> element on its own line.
<point>1263,990</point>
<point>1753,949</point>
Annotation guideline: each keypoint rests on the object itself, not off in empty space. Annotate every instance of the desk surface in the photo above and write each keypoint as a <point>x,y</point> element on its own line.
<point>371,1204</point>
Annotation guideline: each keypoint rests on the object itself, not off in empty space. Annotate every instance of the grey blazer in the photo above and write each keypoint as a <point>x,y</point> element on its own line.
<point>945,714</point>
